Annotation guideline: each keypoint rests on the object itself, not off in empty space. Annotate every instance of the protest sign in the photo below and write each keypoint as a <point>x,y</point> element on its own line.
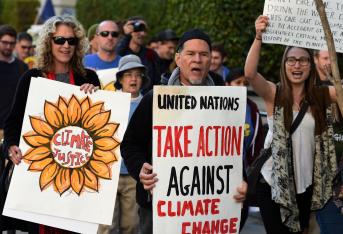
<point>71,158</point>
<point>197,154</point>
<point>297,23</point>
<point>107,78</point>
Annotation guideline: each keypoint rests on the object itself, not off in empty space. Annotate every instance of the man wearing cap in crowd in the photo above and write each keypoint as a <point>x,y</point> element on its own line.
<point>107,34</point>
<point>166,45</point>
<point>193,59</point>
<point>131,77</point>
<point>91,35</point>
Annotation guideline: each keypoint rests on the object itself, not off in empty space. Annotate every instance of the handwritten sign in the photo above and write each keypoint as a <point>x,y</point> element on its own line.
<point>297,23</point>
<point>71,157</point>
<point>197,154</point>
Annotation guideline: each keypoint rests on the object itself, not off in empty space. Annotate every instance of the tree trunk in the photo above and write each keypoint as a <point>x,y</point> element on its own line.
<point>332,52</point>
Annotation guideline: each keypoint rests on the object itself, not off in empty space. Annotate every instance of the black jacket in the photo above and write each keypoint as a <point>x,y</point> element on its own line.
<point>136,147</point>
<point>10,75</point>
<point>13,123</point>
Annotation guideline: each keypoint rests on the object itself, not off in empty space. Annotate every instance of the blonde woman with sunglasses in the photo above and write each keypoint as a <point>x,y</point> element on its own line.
<point>61,46</point>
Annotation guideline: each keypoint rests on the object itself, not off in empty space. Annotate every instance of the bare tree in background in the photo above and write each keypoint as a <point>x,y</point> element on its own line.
<point>336,79</point>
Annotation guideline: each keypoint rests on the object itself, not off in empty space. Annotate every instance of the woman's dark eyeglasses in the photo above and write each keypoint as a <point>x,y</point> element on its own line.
<point>61,40</point>
<point>106,33</point>
<point>303,61</point>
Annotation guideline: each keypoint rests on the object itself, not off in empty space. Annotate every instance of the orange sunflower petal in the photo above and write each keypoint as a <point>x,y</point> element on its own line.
<point>107,131</point>
<point>91,181</point>
<point>85,104</point>
<point>93,110</point>
<point>40,165</point>
<point>77,181</point>
<point>53,115</point>
<point>62,180</point>
<point>41,127</point>
<point>35,140</point>
<point>104,156</point>
<point>100,169</point>
<point>74,110</point>
<point>63,107</point>
<point>106,143</point>
<point>97,121</point>
<point>48,174</point>
<point>37,154</point>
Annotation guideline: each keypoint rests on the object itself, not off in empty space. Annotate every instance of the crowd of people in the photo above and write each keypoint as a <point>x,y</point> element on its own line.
<point>302,176</point>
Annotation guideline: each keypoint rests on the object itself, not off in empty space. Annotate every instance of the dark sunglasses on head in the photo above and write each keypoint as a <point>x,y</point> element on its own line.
<point>61,40</point>
<point>106,33</point>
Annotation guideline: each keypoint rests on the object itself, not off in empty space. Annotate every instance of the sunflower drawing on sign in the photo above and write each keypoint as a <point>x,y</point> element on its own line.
<point>73,147</point>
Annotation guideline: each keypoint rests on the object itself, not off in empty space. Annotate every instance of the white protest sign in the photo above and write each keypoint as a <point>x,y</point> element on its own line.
<point>71,157</point>
<point>197,154</point>
<point>107,78</point>
<point>53,221</point>
<point>297,23</point>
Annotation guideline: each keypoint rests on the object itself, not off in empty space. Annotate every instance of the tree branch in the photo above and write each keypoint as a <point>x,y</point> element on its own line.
<point>332,52</point>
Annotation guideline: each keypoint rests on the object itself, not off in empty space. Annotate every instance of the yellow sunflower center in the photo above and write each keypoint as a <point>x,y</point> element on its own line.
<point>71,147</point>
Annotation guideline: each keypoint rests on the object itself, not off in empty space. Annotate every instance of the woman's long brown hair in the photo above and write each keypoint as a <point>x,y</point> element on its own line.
<point>285,98</point>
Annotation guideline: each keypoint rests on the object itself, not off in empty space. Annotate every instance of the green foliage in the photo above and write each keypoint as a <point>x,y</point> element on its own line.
<point>90,12</point>
<point>19,13</point>
<point>230,22</point>
<point>1,7</point>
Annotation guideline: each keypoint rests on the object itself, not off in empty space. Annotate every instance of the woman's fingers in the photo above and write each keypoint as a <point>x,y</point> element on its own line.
<point>89,88</point>
<point>14,154</point>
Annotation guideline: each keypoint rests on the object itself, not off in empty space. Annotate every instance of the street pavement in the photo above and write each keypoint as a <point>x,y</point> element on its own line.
<point>254,224</point>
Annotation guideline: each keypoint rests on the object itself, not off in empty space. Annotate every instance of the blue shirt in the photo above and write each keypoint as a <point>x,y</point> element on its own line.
<point>94,62</point>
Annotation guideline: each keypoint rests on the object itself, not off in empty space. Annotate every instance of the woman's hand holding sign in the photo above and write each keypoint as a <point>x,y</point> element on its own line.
<point>14,154</point>
<point>88,88</point>
<point>260,25</point>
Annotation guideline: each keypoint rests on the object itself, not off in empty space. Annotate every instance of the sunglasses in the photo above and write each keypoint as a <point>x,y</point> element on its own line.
<point>106,33</point>
<point>61,40</point>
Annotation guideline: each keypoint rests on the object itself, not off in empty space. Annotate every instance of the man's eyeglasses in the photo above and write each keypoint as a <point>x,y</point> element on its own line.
<point>107,33</point>
<point>303,61</point>
<point>8,43</point>
<point>131,75</point>
<point>72,41</point>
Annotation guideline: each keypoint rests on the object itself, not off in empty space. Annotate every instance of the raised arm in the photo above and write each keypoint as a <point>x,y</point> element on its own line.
<point>261,86</point>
